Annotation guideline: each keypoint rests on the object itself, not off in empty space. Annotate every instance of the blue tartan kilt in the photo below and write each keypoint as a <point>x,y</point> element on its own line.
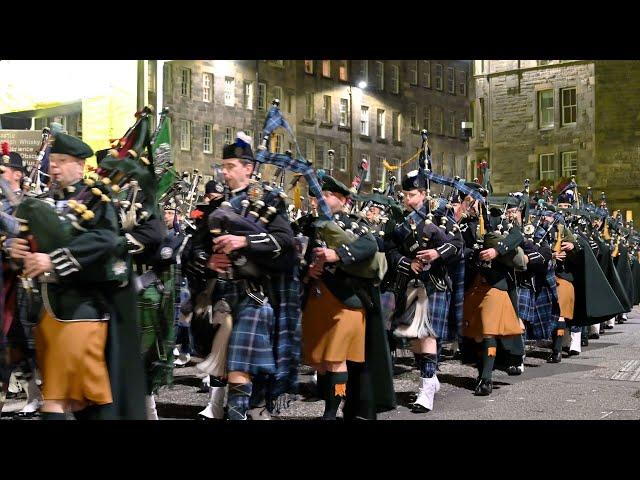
<point>250,345</point>
<point>388,305</point>
<point>539,311</point>
<point>439,313</point>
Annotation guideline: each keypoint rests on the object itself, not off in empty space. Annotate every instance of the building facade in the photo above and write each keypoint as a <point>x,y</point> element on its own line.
<point>327,107</point>
<point>547,120</point>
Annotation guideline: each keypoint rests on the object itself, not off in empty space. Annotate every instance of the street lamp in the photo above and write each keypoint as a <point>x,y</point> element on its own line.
<point>361,85</point>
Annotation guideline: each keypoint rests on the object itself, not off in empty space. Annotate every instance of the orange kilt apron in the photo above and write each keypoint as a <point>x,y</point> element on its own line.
<point>331,332</point>
<point>71,358</point>
<point>489,311</point>
<point>566,298</point>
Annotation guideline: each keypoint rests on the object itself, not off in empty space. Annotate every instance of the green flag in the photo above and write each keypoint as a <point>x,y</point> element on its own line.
<point>161,148</point>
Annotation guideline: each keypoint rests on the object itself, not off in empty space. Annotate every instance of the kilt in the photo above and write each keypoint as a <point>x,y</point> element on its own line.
<point>566,298</point>
<point>388,305</point>
<point>285,290</point>
<point>71,357</point>
<point>439,302</point>
<point>332,332</point>
<point>156,310</point>
<point>489,311</point>
<point>537,312</point>
<point>250,345</point>
<point>456,309</point>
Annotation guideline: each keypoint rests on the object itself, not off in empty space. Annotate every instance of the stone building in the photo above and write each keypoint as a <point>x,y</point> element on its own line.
<point>549,119</point>
<point>327,107</point>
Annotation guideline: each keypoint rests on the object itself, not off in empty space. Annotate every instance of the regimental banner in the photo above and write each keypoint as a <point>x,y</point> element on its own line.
<point>25,142</point>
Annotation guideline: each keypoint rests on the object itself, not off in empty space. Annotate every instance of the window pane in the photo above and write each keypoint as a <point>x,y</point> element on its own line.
<point>344,112</point>
<point>309,112</point>
<point>546,108</point>
<point>364,120</point>
<point>327,109</point>
<point>547,167</point>
<point>262,96</point>
<point>380,124</point>
<point>326,68</point>
<point>426,74</point>
<point>343,74</point>
<point>308,66</point>
<point>229,91</point>
<point>248,95</point>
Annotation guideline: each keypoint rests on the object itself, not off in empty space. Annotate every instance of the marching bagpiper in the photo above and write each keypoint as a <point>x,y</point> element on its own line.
<point>490,304</point>
<point>261,365</point>
<point>343,335</point>
<point>424,247</point>
<point>83,300</point>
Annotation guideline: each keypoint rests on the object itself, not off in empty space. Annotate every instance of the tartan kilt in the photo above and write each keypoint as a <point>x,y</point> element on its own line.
<point>535,310</point>
<point>439,302</point>
<point>287,332</point>
<point>552,288</point>
<point>456,308</point>
<point>156,312</point>
<point>250,345</point>
<point>388,306</point>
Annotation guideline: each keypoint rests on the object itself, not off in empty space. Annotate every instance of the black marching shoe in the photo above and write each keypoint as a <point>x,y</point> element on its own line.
<point>483,388</point>
<point>555,358</point>
<point>573,353</point>
<point>594,336</point>
<point>584,342</point>
<point>514,370</point>
<point>417,408</point>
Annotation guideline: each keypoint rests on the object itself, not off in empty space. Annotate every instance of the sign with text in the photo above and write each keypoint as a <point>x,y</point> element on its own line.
<point>25,142</point>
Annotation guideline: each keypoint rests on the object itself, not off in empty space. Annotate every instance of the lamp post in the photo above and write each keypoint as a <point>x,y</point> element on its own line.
<point>361,85</point>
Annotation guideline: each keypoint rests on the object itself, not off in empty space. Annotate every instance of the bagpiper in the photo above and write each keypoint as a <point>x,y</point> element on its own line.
<point>426,244</point>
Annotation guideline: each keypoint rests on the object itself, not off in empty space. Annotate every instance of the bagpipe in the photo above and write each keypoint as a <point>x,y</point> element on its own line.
<point>491,239</point>
<point>49,229</point>
<point>251,212</point>
<point>333,233</point>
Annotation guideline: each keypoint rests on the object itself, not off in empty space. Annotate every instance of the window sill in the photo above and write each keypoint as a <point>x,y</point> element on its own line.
<point>548,128</point>
<point>382,140</point>
<point>568,124</point>
<point>308,73</point>
<point>397,143</point>
<point>415,130</point>
<point>326,124</point>
<point>365,138</point>
<point>344,128</point>
<point>307,121</point>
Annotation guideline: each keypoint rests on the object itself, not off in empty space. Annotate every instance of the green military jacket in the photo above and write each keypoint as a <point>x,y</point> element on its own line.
<point>85,269</point>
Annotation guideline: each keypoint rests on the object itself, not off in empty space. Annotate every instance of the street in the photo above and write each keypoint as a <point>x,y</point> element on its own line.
<point>579,388</point>
<point>603,382</point>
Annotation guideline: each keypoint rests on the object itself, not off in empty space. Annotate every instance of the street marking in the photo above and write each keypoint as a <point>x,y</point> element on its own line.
<point>630,372</point>
<point>606,415</point>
